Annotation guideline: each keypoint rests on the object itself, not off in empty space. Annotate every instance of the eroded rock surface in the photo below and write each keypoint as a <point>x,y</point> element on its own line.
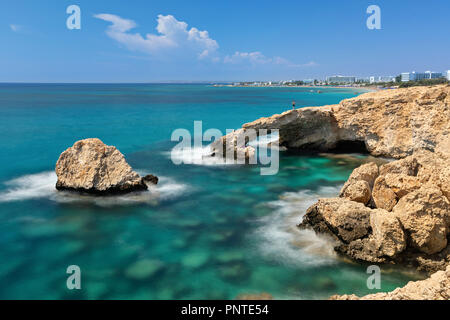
<point>360,183</point>
<point>408,220</point>
<point>391,123</point>
<point>91,166</point>
<point>346,220</point>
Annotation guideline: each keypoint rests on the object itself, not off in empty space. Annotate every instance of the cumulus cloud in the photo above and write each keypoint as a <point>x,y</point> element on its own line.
<point>175,38</point>
<point>172,34</point>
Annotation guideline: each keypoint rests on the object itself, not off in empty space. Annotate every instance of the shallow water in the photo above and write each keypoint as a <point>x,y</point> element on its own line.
<point>206,231</point>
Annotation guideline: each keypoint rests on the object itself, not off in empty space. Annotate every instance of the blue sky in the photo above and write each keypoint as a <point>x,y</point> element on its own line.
<point>179,40</point>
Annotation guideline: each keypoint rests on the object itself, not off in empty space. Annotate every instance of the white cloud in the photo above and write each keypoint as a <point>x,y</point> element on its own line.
<point>247,57</point>
<point>309,64</point>
<point>15,27</point>
<point>257,58</point>
<point>174,38</point>
<point>172,35</point>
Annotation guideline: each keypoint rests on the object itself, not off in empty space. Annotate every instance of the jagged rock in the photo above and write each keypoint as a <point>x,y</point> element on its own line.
<point>436,287</point>
<point>367,172</point>
<point>383,197</point>
<point>360,183</point>
<point>347,220</point>
<point>401,177</point>
<point>358,191</point>
<point>389,123</point>
<point>423,214</point>
<point>384,242</point>
<point>91,166</point>
<point>234,146</point>
<point>387,233</point>
<point>150,178</point>
<point>364,249</point>
<point>414,233</point>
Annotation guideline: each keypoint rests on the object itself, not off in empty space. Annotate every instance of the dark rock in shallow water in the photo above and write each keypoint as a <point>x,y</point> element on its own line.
<point>92,167</point>
<point>151,179</point>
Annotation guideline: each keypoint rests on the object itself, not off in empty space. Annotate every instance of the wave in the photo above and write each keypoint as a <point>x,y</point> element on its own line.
<point>42,186</point>
<point>202,155</point>
<point>195,155</point>
<point>279,239</point>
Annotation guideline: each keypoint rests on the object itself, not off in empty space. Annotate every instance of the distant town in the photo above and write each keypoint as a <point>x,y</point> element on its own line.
<point>404,79</point>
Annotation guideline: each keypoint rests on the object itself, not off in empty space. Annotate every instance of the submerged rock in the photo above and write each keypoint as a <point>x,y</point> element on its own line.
<point>144,269</point>
<point>91,166</point>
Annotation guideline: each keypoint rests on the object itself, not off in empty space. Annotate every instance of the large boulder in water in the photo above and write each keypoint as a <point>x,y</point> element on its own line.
<point>93,167</point>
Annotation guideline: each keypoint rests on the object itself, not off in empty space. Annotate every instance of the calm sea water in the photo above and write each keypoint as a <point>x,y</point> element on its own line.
<point>206,232</point>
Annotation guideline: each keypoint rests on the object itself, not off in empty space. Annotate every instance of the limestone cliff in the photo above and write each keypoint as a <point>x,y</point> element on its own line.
<point>390,123</point>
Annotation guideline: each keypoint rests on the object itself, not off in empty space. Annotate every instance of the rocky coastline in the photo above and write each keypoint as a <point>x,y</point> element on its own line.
<point>396,213</point>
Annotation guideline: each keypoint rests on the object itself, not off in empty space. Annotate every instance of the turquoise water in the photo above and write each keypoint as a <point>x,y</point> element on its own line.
<point>206,232</point>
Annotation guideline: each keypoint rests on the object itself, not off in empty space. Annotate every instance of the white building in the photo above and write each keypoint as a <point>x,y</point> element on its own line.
<point>412,76</point>
<point>433,75</point>
<point>341,79</point>
<point>382,79</point>
<point>448,75</point>
<point>408,76</point>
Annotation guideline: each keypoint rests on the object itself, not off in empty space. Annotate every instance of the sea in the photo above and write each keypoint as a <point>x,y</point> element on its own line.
<point>206,231</point>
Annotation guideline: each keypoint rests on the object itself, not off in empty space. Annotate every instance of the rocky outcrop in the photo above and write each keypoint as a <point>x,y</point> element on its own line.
<point>91,166</point>
<point>436,287</point>
<point>360,183</point>
<point>387,123</point>
<point>150,178</point>
<point>411,229</point>
<point>352,223</point>
<point>396,213</point>
<point>423,214</point>
<point>388,238</point>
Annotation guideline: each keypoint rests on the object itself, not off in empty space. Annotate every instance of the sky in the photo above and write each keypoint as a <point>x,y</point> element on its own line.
<point>246,40</point>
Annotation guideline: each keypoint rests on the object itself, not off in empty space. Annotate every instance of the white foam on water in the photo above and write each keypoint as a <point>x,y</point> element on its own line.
<point>195,155</point>
<point>279,239</point>
<point>33,186</point>
<point>42,186</point>
<point>202,155</point>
